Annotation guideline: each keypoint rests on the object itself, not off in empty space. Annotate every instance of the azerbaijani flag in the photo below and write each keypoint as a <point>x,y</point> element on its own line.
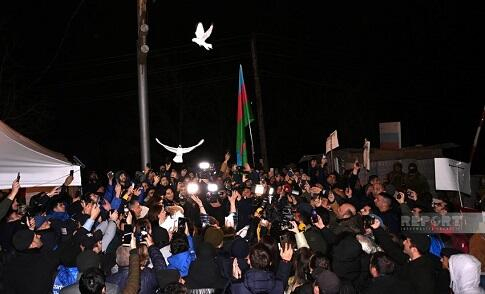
<point>244,117</point>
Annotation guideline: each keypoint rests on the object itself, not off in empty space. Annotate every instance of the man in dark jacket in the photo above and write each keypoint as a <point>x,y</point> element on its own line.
<point>420,268</point>
<point>30,271</point>
<point>259,279</point>
<point>382,269</point>
<point>85,262</point>
<point>148,278</point>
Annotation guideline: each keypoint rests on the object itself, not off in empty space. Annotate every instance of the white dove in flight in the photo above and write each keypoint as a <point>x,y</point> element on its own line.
<point>179,151</point>
<point>201,36</point>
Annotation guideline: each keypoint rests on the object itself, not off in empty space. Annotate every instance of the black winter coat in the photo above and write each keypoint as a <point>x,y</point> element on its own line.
<point>31,272</point>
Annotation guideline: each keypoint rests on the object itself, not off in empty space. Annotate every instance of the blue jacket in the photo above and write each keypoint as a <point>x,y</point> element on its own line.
<point>182,261</point>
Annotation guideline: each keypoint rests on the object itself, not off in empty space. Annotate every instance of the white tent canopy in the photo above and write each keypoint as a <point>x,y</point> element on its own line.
<point>38,166</point>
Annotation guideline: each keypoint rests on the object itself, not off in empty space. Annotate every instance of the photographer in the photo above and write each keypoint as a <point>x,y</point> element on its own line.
<point>146,251</point>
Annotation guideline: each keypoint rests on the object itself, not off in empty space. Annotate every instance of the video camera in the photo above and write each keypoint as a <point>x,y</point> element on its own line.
<point>229,187</point>
<point>212,195</point>
<point>286,215</point>
<point>206,170</point>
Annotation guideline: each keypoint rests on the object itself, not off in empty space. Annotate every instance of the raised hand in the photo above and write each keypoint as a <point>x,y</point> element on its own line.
<point>400,197</point>
<point>320,223</point>
<point>412,195</point>
<point>106,205</point>
<point>113,215</point>
<point>286,252</point>
<point>31,223</point>
<point>68,180</point>
<point>234,196</point>
<point>95,211</point>
<point>138,191</point>
<point>236,271</point>
<point>55,191</point>
<point>196,200</point>
<point>323,161</point>
<point>348,192</point>
<point>227,156</point>
<point>294,228</point>
<point>15,189</point>
<point>149,240</point>
<point>156,180</point>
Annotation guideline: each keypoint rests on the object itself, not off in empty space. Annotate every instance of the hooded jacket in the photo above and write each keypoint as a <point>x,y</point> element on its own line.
<point>465,274</point>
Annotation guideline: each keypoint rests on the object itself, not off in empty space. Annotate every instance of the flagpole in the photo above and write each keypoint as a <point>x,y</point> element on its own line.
<point>252,144</point>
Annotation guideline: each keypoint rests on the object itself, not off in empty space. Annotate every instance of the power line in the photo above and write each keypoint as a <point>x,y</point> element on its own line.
<point>58,50</point>
<point>155,90</point>
<point>130,57</point>
<point>168,69</point>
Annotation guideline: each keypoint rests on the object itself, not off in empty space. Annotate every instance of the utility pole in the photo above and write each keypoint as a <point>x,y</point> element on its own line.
<point>142,50</point>
<point>259,104</point>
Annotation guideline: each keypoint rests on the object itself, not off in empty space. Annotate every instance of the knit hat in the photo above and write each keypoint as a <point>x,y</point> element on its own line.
<point>421,241</point>
<point>22,239</point>
<point>239,248</point>
<point>87,259</point>
<point>214,236</point>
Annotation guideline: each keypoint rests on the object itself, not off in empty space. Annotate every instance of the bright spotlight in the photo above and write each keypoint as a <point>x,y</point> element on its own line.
<point>211,187</point>
<point>259,190</point>
<point>204,165</point>
<point>192,188</point>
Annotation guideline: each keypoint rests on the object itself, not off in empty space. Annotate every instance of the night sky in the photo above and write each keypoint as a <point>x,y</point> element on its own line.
<point>69,80</point>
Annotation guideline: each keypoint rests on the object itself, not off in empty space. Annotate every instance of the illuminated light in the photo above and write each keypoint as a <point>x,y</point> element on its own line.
<point>204,165</point>
<point>211,187</point>
<point>192,188</point>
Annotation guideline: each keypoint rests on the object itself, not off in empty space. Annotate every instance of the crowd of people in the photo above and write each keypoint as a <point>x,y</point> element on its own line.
<point>233,229</point>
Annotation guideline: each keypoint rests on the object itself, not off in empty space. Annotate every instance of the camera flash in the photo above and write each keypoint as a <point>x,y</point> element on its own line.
<point>259,190</point>
<point>211,187</point>
<point>271,191</point>
<point>192,188</point>
<point>204,165</point>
